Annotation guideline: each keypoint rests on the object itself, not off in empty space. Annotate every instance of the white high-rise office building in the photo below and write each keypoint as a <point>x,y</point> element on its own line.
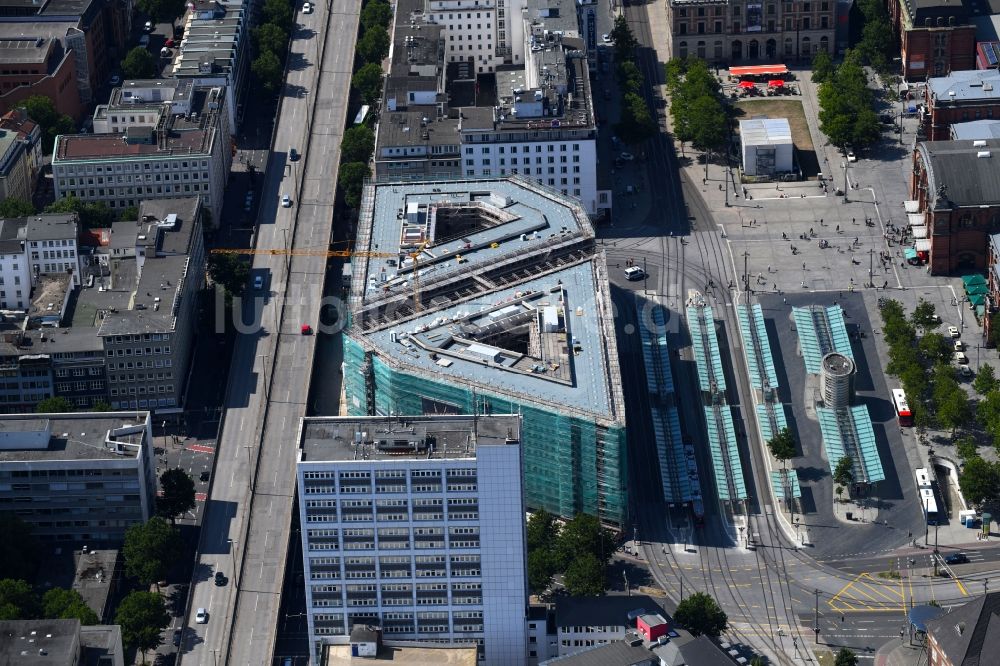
<point>415,525</point>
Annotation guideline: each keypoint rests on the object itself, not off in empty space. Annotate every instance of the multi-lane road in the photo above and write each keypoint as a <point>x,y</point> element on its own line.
<point>246,528</point>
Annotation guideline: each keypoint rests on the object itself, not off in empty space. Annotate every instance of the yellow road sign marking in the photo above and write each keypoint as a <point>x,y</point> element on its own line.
<point>961,588</point>
<point>867,594</point>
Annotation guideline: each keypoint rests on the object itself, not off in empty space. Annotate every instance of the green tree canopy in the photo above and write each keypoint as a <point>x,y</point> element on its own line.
<point>988,411</point>
<point>271,37</point>
<point>630,79</point>
<point>51,123</point>
<point>373,45</point>
<point>63,604</point>
<point>585,576</point>
<point>93,214</point>
<point>13,207</point>
<point>352,181</point>
<point>625,42</point>
<point>150,550</point>
<point>143,617</point>
<point>20,550</point>
<point>822,67</point>
<point>368,82</point>
<point>843,474</point>
<point>980,481</point>
<point>278,12</point>
<point>267,68</point>
<point>636,124</point>
<point>358,144</point>
<point>178,493</point>
<point>541,568</point>
<point>229,270</point>
<point>18,600</point>
<point>101,406</point>
<point>583,534</point>
<point>846,657</point>
<point>782,445</point>
<point>985,380</point>
<point>541,531</point>
<point>701,614</point>
<point>966,448</point>
<point>708,123</point>
<point>129,214</point>
<point>161,11</point>
<point>376,13</point>
<point>55,405</point>
<point>138,64</point>
<point>924,316</point>
<point>846,114</point>
<point>542,535</point>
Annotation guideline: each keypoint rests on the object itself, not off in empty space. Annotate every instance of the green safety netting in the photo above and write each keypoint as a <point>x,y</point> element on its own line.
<point>571,464</point>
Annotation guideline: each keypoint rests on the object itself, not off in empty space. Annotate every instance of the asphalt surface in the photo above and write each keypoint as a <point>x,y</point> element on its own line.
<point>246,528</point>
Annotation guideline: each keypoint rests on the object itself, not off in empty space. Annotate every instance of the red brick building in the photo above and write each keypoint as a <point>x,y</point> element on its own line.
<point>967,635</point>
<point>936,37</point>
<point>960,97</point>
<point>956,187</point>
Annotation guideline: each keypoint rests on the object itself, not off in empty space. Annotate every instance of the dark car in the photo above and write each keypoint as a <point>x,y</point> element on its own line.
<point>220,578</point>
<point>204,476</point>
<point>177,637</point>
<point>957,558</point>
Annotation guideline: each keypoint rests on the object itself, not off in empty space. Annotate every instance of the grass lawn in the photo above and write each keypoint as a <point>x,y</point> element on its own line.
<point>779,108</point>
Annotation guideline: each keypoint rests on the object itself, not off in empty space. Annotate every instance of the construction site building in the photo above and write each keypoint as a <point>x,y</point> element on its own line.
<point>488,297</point>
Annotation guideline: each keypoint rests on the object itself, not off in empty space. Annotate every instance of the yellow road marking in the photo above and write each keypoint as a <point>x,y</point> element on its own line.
<point>961,588</point>
<point>866,594</point>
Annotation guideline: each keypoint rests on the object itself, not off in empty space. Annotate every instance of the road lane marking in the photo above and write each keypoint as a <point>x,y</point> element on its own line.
<point>961,588</point>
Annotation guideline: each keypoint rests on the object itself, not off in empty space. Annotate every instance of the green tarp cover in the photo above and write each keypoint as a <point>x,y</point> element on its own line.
<point>973,279</point>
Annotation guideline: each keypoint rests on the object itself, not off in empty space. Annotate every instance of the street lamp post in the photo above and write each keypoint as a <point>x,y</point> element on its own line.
<point>816,616</point>
<point>846,183</point>
<point>232,555</point>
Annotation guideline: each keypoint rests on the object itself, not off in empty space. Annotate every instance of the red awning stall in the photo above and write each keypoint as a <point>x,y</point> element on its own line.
<point>758,70</point>
<point>746,84</point>
<point>776,83</point>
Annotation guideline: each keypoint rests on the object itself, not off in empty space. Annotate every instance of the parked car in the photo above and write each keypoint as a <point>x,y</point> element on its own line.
<point>178,634</point>
<point>626,157</point>
<point>293,154</point>
<point>144,41</point>
<point>307,329</point>
<point>606,38</point>
<point>220,579</point>
<point>956,558</point>
<point>966,372</point>
<point>170,43</point>
<point>307,8</point>
<point>148,27</point>
<point>634,273</point>
<point>954,332</point>
<point>959,346</point>
<point>961,358</point>
<point>286,201</point>
<point>201,617</point>
<point>258,282</point>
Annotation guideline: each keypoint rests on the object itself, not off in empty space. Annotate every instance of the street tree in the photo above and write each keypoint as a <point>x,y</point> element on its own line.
<point>271,37</point>
<point>782,446</point>
<point>150,549</point>
<point>967,448</point>
<point>373,45</point>
<point>92,214</point>
<point>352,181</point>
<point>924,316</point>
<point>177,493</point>
<point>278,12</point>
<point>129,214</point>
<point>701,614</point>
<point>138,64</point>
<point>376,13</point>
<point>101,406</point>
<point>61,604</point>
<point>935,349</point>
<point>20,550</point>
<point>625,42</point>
<point>14,207</point>
<point>674,73</point>
<point>267,68</point>
<point>230,271</point>
<point>54,405</point>
<point>368,82</point>
<point>143,617</point>
<point>822,67</point>
<point>985,381</point>
<point>357,144</point>
<point>584,576</point>
<point>709,123</point>
<point>846,658</point>
<point>843,474</point>
<point>630,79</point>
<point>162,11</point>
<point>636,124</point>
<point>18,600</point>
<point>980,481</point>
<point>988,412</point>
<point>993,340</point>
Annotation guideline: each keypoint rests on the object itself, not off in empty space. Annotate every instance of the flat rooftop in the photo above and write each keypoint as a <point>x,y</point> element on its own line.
<point>83,436</point>
<point>381,438</point>
<point>23,639</point>
<point>965,86</point>
<point>340,655</point>
<point>459,227</point>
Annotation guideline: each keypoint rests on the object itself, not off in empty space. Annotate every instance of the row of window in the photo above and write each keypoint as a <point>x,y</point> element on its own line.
<point>141,404</point>
<point>126,190</point>
<point>139,351</point>
<point>138,178</point>
<point>125,167</point>
<point>550,148</point>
